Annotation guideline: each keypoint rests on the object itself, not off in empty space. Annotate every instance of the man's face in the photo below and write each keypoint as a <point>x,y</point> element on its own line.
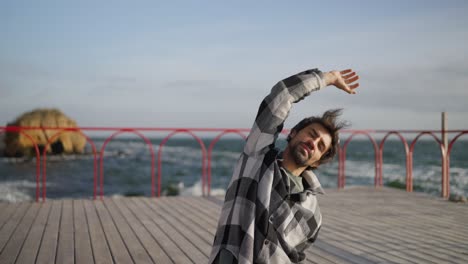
<point>309,144</point>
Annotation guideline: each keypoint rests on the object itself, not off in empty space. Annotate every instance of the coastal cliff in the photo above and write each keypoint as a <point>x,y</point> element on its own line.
<point>18,144</point>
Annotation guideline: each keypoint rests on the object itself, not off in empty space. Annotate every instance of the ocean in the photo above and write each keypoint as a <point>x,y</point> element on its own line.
<point>127,169</point>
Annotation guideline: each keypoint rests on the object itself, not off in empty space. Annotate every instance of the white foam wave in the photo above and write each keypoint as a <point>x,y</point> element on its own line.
<point>16,191</point>
<point>196,190</point>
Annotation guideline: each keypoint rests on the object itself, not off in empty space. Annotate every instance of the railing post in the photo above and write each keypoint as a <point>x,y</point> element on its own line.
<point>380,171</point>
<point>445,177</point>
<point>409,178</point>
<point>378,166</point>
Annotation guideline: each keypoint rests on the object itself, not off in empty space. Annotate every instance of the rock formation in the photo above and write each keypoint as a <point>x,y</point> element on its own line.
<point>18,144</point>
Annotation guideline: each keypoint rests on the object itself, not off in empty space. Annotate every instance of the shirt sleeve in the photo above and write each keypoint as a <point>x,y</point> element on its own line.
<point>275,108</point>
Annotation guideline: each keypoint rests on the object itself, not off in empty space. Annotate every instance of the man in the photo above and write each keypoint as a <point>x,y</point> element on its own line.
<point>270,212</point>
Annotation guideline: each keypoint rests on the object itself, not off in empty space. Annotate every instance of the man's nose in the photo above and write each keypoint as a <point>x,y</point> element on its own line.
<point>313,142</point>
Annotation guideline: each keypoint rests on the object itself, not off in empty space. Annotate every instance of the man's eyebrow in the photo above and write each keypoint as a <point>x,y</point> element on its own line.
<point>314,131</point>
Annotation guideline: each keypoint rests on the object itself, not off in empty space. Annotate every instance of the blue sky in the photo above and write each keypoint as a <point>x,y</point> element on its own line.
<point>210,63</point>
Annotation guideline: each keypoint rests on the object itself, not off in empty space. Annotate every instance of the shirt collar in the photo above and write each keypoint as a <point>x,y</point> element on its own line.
<point>312,182</point>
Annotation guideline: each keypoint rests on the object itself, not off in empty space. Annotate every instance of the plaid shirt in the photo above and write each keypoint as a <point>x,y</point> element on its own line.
<point>261,221</point>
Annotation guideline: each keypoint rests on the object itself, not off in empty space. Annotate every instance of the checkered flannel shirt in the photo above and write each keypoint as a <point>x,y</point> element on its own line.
<point>261,221</point>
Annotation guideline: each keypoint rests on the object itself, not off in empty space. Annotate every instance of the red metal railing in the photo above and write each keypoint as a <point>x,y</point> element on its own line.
<point>210,150</point>
<point>44,155</point>
<point>342,161</point>
<point>445,155</point>
<point>207,154</point>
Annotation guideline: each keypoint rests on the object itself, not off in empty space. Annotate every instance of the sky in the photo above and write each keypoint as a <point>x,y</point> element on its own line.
<point>210,63</point>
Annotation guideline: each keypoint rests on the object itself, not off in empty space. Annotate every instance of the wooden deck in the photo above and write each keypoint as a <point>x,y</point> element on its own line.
<point>361,225</point>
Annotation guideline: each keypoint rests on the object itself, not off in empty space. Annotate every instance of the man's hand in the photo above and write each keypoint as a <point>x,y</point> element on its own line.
<point>344,80</point>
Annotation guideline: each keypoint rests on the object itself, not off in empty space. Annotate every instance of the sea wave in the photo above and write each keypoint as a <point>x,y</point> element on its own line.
<point>196,190</point>
<point>16,191</point>
<point>127,170</point>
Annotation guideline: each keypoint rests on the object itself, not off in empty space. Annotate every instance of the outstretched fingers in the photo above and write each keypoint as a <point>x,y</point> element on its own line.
<point>347,76</point>
<point>352,79</point>
<point>345,71</point>
<point>354,86</point>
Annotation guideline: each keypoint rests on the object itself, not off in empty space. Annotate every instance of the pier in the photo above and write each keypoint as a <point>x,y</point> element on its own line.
<point>360,225</point>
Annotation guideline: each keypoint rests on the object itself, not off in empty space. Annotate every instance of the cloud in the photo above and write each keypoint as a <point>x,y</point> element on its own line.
<point>439,86</point>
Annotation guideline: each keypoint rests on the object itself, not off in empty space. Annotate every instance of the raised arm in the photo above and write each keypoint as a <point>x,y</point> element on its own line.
<point>275,108</point>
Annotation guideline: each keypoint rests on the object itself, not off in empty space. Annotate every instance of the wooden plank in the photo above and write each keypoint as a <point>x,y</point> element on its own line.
<point>118,249</point>
<point>352,243</point>
<point>210,207</point>
<point>202,245</point>
<point>48,246</point>
<point>419,215</point>
<point>337,254</point>
<point>427,232</point>
<point>172,249</point>
<point>155,251</point>
<point>422,230</point>
<point>12,248</point>
<point>398,239</point>
<point>30,248</point>
<point>394,220</point>
<point>318,256</point>
<point>343,248</point>
<point>10,226</point>
<point>99,244</point>
<point>187,220</point>
<point>83,250</point>
<point>7,212</point>
<point>208,210</point>
<point>201,219</point>
<point>419,243</point>
<point>348,241</point>
<point>457,253</point>
<point>134,246</point>
<point>66,247</point>
<point>355,248</point>
<point>322,257</point>
<point>211,222</point>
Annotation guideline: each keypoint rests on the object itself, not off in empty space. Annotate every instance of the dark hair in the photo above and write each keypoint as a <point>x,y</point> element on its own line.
<point>329,121</point>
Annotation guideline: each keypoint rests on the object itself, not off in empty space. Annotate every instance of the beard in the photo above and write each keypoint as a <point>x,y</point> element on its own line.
<point>298,155</point>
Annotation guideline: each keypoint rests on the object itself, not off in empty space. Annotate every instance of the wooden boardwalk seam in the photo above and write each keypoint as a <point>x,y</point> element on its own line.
<point>360,225</point>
